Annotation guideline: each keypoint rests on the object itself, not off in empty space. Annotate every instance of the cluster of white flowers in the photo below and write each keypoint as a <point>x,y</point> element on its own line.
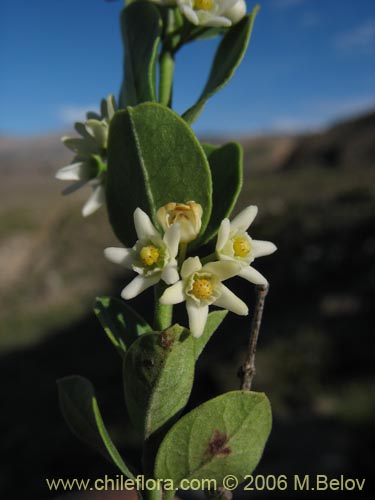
<point>210,13</point>
<point>213,13</point>
<point>154,258</point>
<point>89,164</point>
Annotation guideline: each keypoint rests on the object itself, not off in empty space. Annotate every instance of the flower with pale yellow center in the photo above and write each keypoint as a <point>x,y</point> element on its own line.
<point>188,215</point>
<point>234,244</point>
<point>201,286</point>
<point>213,13</point>
<point>89,164</point>
<point>152,257</point>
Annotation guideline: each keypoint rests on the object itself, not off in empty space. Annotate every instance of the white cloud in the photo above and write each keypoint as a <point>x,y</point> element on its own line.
<point>342,107</point>
<point>360,38</point>
<point>294,124</point>
<point>321,113</point>
<point>70,113</point>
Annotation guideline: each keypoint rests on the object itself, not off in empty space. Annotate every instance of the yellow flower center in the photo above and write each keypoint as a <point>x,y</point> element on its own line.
<point>202,288</point>
<point>203,4</point>
<point>149,255</point>
<point>241,246</point>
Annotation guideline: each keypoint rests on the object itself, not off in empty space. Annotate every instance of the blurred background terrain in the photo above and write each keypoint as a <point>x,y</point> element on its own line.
<point>302,105</point>
<point>314,359</point>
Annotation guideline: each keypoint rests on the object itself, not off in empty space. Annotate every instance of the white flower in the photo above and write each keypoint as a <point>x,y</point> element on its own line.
<point>152,257</point>
<point>236,12</point>
<point>234,244</point>
<point>89,163</point>
<point>202,286</point>
<point>188,215</point>
<point>209,12</point>
<point>166,3</point>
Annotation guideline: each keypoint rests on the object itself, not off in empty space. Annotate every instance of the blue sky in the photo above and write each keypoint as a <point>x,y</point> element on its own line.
<point>310,62</point>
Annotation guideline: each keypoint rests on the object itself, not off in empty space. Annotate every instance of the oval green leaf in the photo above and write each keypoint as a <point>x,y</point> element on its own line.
<point>227,176</point>
<point>214,320</point>
<point>158,377</point>
<point>153,158</point>
<point>81,412</point>
<point>225,435</point>
<point>140,27</point>
<point>121,323</point>
<point>228,57</point>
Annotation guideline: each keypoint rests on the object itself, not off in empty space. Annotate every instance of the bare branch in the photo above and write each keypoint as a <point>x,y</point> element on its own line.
<point>248,368</point>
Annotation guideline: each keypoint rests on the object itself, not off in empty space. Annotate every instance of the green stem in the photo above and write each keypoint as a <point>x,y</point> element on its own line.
<point>209,258</point>
<point>163,312</point>
<point>182,254</point>
<point>166,65</point>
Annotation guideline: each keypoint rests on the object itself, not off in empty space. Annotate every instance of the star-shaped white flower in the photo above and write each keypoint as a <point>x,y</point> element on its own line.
<point>211,13</point>
<point>201,286</point>
<point>234,244</point>
<point>89,163</point>
<point>152,257</point>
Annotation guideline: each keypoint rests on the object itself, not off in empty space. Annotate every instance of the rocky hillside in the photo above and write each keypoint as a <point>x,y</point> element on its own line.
<point>51,259</point>
<point>314,359</point>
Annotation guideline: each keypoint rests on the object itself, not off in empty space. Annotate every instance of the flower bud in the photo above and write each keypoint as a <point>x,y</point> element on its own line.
<point>236,12</point>
<point>188,215</point>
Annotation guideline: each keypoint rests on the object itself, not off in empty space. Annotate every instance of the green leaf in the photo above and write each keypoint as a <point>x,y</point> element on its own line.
<point>227,176</point>
<point>223,436</point>
<point>213,322</point>
<point>153,158</point>
<point>120,322</point>
<point>158,377</point>
<point>228,57</point>
<point>81,412</point>
<point>140,26</point>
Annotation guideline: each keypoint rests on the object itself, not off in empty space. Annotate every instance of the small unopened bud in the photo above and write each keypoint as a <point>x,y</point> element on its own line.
<point>188,215</point>
<point>236,12</point>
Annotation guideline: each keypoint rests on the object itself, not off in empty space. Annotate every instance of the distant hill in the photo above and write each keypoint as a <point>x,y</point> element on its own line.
<point>51,259</point>
<point>314,361</point>
<point>347,144</point>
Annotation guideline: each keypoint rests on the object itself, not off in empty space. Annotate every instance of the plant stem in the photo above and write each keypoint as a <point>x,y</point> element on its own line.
<point>182,254</point>
<point>248,368</point>
<point>166,66</point>
<point>209,258</point>
<point>163,312</point>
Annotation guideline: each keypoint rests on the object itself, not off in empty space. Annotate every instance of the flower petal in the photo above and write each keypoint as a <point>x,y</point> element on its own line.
<point>197,314</point>
<point>111,106</point>
<point>81,146</point>
<point>223,269</point>
<point>243,220</point>
<point>138,285</point>
<point>208,19</point>
<point>72,188</point>
<point>95,201</point>
<point>172,239</point>
<point>228,300</point>
<point>190,14</point>
<point>98,130</point>
<point>122,256</point>
<point>261,248</point>
<point>190,266</point>
<point>72,172</point>
<point>252,275</point>
<point>226,5</point>
<point>170,274</point>
<point>173,294</point>
<point>143,225</point>
<point>223,234</point>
